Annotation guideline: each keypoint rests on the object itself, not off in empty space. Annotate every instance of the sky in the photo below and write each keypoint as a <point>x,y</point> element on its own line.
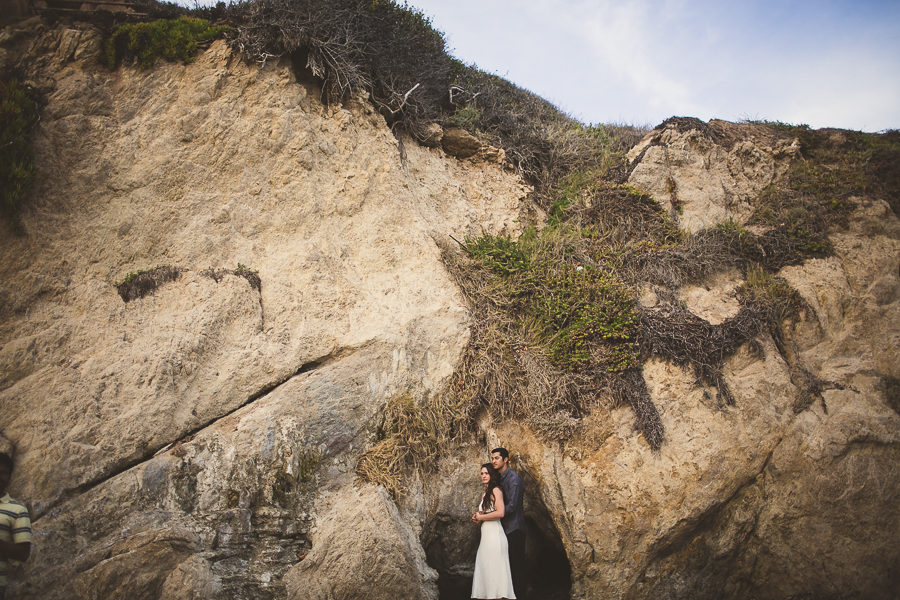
<point>823,63</point>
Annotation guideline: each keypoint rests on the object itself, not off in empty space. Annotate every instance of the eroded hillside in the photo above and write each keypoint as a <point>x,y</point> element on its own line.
<point>204,440</point>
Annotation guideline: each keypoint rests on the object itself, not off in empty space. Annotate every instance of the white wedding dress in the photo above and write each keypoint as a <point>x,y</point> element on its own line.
<point>492,575</point>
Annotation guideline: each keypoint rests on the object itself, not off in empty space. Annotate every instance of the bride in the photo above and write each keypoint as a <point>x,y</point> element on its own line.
<point>492,575</point>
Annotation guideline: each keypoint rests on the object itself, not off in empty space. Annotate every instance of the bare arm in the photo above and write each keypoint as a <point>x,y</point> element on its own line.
<point>498,513</point>
<point>19,552</point>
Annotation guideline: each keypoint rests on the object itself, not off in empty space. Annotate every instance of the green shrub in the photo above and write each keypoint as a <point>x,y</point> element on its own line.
<point>568,191</point>
<point>175,39</point>
<point>547,309</point>
<point>580,309</point>
<point>466,117</point>
<point>18,113</point>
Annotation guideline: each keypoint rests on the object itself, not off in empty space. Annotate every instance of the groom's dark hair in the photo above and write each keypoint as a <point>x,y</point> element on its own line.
<point>503,452</point>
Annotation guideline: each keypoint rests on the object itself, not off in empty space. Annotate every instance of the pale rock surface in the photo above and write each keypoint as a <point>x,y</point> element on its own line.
<point>387,560</point>
<point>707,173</point>
<point>200,443</point>
<point>190,580</point>
<point>714,300</point>
<point>271,395</point>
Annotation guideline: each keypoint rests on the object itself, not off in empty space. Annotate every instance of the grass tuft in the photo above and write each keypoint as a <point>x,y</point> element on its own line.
<point>412,435</point>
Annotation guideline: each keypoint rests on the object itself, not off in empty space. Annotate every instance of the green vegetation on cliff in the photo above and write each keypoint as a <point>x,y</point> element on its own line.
<point>173,39</point>
<point>835,166</point>
<point>18,113</point>
<point>557,326</point>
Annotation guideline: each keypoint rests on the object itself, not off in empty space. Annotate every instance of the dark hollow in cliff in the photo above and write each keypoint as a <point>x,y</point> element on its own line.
<point>549,571</point>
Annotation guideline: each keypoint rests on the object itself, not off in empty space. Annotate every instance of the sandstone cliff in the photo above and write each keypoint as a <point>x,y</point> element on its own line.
<point>200,442</point>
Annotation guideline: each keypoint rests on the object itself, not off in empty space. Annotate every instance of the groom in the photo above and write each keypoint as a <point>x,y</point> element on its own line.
<point>514,521</point>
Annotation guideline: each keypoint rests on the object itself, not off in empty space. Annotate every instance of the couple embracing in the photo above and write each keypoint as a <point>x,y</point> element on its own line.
<point>500,562</point>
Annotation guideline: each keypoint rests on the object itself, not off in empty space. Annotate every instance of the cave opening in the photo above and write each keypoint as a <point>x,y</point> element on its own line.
<point>549,571</point>
<point>548,568</point>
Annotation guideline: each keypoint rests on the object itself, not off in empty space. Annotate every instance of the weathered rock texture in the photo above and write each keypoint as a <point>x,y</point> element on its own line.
<point>199,443</point>
<point>709,172</point>
<point>270,395</point>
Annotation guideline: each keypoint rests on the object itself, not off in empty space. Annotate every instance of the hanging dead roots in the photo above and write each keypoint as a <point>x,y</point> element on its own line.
<point>677,335</point>
<point>632,388</point>
<point>252,277</point>
<point>142,283</point>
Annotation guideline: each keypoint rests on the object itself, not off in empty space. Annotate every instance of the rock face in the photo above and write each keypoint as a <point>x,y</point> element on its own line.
<point>708,172</point>
<point>200,442</point>
<point>387,560</point>
<point>234,414</point>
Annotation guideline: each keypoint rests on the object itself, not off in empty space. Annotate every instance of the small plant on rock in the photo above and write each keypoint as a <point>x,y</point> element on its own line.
<point>466,117</point>
<point>241,270</point>
<point>18,113</point>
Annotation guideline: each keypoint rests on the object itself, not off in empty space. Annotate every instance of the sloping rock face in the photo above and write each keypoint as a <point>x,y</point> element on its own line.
<point>199,442</point>
<point>185,443</point>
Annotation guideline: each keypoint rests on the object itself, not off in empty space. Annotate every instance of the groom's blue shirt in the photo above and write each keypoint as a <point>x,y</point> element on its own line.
<point>513,494</point>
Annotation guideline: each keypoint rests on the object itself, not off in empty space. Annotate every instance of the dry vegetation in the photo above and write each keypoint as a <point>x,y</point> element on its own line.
<point>143,283</point>
<point>251,276</point>
<point>557,328</point>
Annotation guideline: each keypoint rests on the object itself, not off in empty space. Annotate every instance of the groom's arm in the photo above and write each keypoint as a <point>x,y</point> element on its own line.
<point>512,493</point>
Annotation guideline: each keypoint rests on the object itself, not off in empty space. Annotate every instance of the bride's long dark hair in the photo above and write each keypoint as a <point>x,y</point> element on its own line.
<point>493,482</point>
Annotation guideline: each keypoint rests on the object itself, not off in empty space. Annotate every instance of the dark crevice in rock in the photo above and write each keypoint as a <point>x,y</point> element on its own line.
<point>154,451</point>
<point>548,568</point>
<point>549,571</point>
<point>310,366</point>
<point>621,172</point>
